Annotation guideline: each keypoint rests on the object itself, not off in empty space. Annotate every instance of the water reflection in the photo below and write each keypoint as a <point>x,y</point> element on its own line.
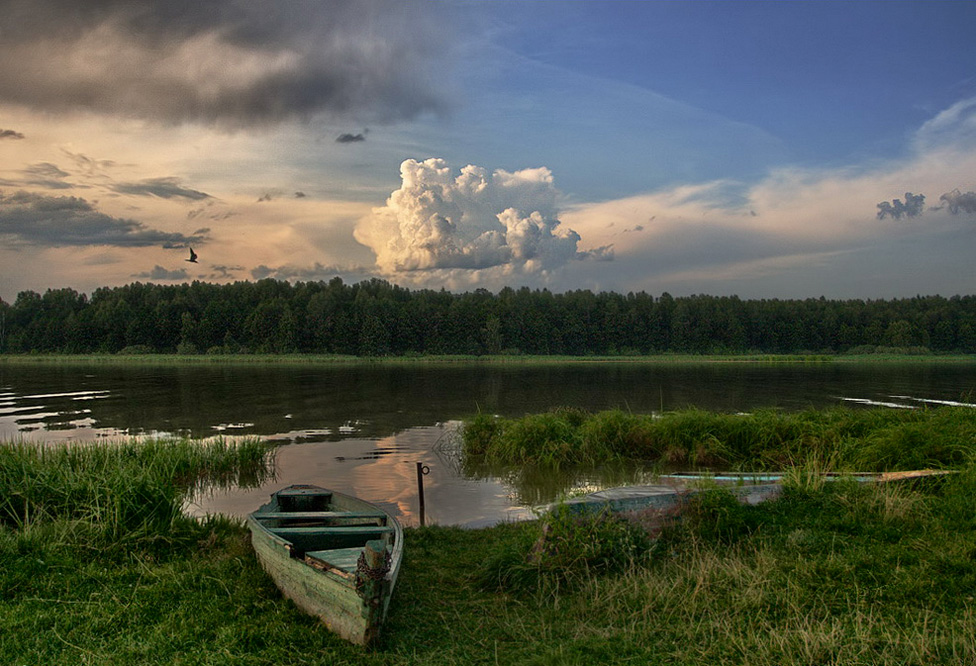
<point>362,428</point>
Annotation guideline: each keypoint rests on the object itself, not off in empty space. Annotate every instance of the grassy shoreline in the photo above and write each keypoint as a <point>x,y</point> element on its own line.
<point>337,360</point>
<point>830,574</point>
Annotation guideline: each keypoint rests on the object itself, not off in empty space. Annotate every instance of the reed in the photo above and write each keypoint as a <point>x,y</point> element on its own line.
<point>851,440</point>
<point>129,487</point>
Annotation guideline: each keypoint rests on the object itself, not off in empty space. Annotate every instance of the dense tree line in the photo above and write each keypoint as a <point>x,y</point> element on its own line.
<point>376,318</point>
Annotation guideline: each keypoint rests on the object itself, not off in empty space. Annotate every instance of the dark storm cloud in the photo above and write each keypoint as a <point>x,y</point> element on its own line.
<point>37,219</point>
<point>224,62</point>
<point>10,134</point>
<point>164,188</point>
<point>913,207</point>
<point>959,202</point>
<point>160,273</point>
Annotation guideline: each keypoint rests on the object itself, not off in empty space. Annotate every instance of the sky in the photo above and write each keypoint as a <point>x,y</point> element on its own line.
<point>777,149</point>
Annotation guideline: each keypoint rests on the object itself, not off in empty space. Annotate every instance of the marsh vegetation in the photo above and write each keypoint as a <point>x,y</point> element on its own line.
<point>99,565</point>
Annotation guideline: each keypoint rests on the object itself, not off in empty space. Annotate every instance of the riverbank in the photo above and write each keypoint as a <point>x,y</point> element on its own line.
<point>498,360</point>
<point>832,573</point>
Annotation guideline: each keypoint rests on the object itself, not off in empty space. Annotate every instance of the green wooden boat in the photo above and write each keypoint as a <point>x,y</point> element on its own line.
<point>336,556</point>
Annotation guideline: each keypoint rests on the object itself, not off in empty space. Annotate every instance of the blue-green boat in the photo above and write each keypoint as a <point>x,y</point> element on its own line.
<point>336,556</point>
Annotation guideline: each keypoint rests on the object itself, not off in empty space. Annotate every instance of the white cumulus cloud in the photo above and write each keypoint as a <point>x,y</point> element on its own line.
<point>474,220</point>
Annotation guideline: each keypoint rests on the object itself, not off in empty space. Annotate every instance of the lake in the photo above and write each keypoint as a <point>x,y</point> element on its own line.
<point>362,428</point>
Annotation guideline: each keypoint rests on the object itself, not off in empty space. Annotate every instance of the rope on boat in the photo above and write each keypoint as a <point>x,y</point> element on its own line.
<point>365,572</point>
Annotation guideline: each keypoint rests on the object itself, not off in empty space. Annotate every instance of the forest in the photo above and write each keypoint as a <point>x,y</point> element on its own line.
<point>377,318</point>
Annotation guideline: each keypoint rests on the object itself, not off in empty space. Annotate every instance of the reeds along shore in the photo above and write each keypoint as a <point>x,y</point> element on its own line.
<point>122,488</point>
<point>843,439</point>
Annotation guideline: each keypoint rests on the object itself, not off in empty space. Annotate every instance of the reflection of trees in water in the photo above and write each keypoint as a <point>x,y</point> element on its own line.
<point>332,403</point>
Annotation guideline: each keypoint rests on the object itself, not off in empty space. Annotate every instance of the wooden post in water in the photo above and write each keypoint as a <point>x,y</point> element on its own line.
<point>421,470</point>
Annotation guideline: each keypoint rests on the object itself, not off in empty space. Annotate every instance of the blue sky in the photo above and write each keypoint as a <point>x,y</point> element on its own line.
<point>689,147</point>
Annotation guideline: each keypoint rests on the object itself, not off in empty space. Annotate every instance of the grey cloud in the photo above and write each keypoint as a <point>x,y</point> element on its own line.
<point>602,253</point>
<point>160,273</point>
<point>164,188</point>
<point>315,272</point>
<point>914,206</point>
<point>85,163</point>
<point>45,174</point>
<point>209,212</point>
<point>222,272</point>
<point>958,202</point>
<point>10,134</point>
<point>300,195</point>
<point>37,219</point>
<point>350,138</point>
<point>225,62</point>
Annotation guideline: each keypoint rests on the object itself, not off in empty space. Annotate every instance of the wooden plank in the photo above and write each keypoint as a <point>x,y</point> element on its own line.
<point>336,530</point>
<point>318,514</point>
<point>344,559</point>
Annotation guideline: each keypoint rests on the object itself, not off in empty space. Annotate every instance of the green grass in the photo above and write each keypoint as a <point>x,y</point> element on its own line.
<point>853,440</point>
<point>838,573</point>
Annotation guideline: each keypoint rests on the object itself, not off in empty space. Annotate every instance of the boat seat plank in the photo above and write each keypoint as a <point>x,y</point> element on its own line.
<point>337,530</point>
<point>368,515</point>
<point>344,559</point>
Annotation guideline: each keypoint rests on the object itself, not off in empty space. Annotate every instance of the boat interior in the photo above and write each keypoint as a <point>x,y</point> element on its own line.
<point>323,535</point>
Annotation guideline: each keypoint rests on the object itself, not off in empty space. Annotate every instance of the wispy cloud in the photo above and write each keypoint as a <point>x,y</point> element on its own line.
<point>222,272</point>
<point>316,271</point>
<point>160,273</point>
<point>350,138</point>
<point>164,188</point>
<point>42,174</point>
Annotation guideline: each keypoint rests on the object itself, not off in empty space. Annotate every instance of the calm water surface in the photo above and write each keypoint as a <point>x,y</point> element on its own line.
<point>362,428</point>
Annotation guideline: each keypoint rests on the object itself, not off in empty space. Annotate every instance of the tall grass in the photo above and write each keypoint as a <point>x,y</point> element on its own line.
<point>844,573</point>
<point>862,440</point>
<point>126,488</point>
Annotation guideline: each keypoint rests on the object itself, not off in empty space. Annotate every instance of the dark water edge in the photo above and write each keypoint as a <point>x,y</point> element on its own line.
<point>362,428</point>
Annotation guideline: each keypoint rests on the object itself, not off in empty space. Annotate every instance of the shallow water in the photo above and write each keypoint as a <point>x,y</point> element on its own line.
<point>362,428</point>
